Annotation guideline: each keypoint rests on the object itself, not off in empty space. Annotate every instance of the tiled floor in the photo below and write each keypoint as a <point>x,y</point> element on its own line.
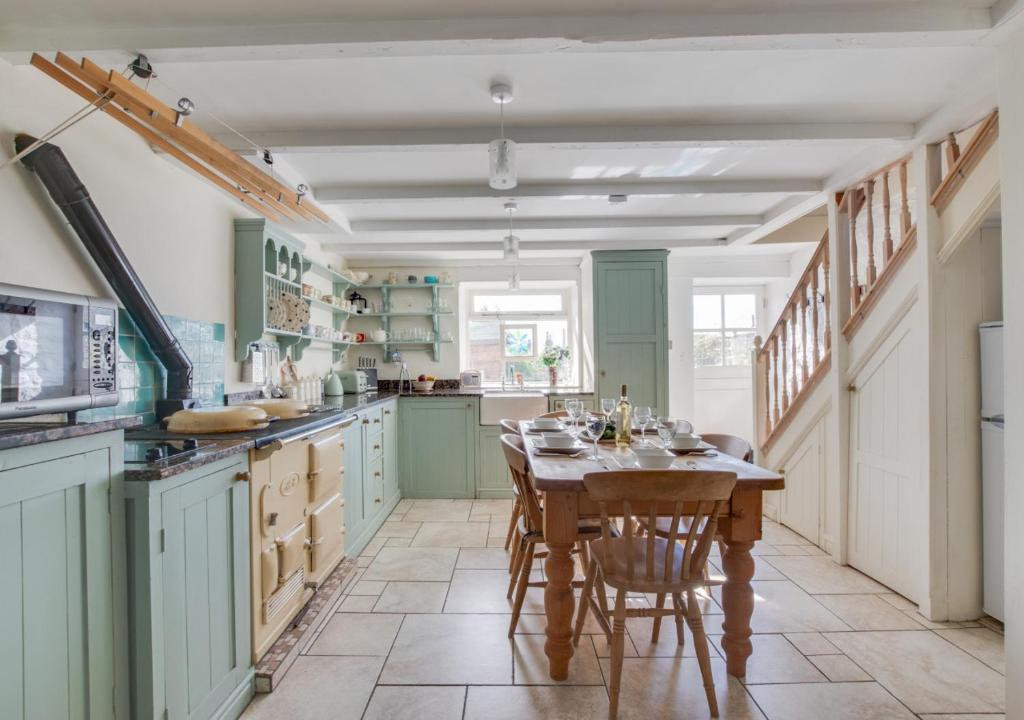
<point>422,633</point>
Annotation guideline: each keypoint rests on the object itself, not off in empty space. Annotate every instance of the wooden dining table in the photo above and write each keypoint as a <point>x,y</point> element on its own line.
<point>560,479</point>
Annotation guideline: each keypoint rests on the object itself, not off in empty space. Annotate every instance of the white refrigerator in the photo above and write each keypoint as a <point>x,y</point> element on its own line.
<point>992,487</point>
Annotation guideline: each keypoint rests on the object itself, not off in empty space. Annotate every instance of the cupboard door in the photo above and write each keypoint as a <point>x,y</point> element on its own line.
<point>326,535</point>
<point>493,477</point>
<point>373,488</point>
<point>206,592</point>
<point>325,466</point>
<point>353,486</point>
<point>437,457</point>
<point>390,438</point>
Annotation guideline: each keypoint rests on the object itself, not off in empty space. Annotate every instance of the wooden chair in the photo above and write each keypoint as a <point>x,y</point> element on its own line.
<point>512,427</point>
<point>650,564</point>
<point>530,526</point>
<point>731,445</point>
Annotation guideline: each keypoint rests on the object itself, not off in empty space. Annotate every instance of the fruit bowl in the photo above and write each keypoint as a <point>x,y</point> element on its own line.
<point>423,386</point>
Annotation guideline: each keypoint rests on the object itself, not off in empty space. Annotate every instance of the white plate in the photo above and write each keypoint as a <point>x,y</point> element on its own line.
<point>542,446</point>
<point>699,450</point>
<point>531,428</point>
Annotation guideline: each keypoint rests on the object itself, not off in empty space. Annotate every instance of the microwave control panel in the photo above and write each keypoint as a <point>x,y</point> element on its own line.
<point>102,350</point>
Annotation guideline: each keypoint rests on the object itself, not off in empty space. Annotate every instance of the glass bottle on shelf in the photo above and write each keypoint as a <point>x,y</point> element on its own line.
<point>623,416</point>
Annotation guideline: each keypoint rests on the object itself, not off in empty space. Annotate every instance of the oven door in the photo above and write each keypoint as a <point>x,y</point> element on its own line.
<point>326,538</point>
<point>325,461</point>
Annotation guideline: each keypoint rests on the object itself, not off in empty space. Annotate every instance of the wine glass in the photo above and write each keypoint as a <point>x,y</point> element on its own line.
<point>666,430</point>
<point>642,415</point>
<point>573,407</point>
<point>608,407</point>
<point>596,423</point>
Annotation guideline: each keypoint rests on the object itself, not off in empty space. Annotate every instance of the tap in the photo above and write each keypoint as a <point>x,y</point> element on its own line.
<point>404,373</point>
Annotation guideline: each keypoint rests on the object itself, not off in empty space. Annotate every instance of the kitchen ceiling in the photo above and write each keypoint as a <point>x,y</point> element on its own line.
<point>715,138</point>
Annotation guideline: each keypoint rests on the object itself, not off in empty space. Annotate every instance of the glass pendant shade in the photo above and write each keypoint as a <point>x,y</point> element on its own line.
<point>503,164</point>
<point>511,247</point>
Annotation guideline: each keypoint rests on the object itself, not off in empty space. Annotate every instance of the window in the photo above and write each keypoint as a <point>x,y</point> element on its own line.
<point>507,333</point>
<point>724,325</point>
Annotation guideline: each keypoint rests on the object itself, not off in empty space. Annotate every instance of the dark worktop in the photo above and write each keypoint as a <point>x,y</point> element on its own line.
<point>134,472</point>
<point>20,433</point>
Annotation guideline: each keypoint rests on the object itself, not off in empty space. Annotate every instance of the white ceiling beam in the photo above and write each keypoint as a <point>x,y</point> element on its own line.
<point>351,194</point>
<point>363,227</point>
<point>356,247</point>
<point>615,137</point>
<point>898,24</point>
<point>781,215</point>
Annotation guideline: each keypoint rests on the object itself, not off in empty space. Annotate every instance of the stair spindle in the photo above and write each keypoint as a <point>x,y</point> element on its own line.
<point>904,203</point>
<point>815,346</point>
<point>886,209</point>
<point>851,209</point>
<point>803,330</point>
<point>869,191</point>
<point>793,337</point>
<point>828,298</point>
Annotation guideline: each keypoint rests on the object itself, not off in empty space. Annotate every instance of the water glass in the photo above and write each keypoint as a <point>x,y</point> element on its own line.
<point>607,407</point>
<point>596,423</point>
<point>642,415</point>
<point>666,430</point>
<point>573,408</point>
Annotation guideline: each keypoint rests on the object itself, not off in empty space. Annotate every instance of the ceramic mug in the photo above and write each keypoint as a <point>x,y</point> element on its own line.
<point>412,279</point>
<point>379,336</point>
<point>360,337</point>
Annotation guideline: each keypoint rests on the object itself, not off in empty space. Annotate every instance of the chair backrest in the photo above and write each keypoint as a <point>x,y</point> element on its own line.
<point>509,426</point>
<point>708,491</point>
<point>731,445</point>
<point>555,414</point>
<point>515,456</point>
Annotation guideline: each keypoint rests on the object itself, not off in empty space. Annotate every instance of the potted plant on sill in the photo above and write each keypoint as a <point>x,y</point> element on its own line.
<point>553,357</point>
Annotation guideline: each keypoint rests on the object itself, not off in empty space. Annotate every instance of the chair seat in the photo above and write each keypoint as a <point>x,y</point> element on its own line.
<point>587,530</point>
<point>614,569</point>
<point>664,525</point>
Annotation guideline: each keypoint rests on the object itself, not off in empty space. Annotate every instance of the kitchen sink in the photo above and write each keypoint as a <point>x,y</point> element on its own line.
<point>496,405</point>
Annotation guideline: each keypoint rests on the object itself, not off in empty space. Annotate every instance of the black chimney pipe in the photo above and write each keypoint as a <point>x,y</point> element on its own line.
<point>49,163</point>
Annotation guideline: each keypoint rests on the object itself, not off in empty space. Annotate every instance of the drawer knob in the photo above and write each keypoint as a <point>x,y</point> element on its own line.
<point>376,474</point>
<point>366,421</point>
<point>243,476</point>
<point>376,421</point>
<point>376,447</point>
<point>387,412</point>
<point>377,500</point>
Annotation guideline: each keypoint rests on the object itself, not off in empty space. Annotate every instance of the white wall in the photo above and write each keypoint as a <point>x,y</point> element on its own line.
<point>175,228</point>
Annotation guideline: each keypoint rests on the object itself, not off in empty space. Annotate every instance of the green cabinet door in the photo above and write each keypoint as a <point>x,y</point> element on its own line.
<point>63,569</point>
<point>352,489</point>
<point>630,326</point>
<point>390,450</point>
<point>436,448</point>
<point>206,609</point>
<point>493,479</point>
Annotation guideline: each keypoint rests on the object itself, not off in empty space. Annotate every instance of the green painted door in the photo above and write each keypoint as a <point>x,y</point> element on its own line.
<point>630,326</point>
<point>352,484</point>
<point>390,450</point>
<point>436,449</point>
<point>205,592</point>
<point>63,578</point>
<point>493,479</point>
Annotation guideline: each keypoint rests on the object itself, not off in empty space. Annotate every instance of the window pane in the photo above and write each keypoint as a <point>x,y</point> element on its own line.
<point>741,311</point>
<point>707,349</point>
<point>485,349</point>
<point>517,302</point>
<point>738,346</point>
<point>520,342</point>
<point>707,311</point>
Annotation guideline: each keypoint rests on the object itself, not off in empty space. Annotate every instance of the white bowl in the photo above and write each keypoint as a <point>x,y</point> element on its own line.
<point>558,440</point>
<point>654,458</point>
<point>423,386</point>
<point>541,423</point>
<point>686,441</point>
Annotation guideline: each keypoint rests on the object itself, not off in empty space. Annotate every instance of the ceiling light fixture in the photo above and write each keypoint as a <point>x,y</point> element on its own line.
<point>510,246</point>
<point>502,151</point>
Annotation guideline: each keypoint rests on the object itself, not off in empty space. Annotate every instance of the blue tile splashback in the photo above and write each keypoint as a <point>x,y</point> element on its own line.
<point>140,379</point>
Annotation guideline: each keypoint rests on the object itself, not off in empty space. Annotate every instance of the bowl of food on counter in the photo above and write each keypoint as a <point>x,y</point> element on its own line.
<point>424,384</point>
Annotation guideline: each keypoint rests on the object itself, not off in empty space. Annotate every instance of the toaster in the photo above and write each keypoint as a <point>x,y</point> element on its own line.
<point>469,378</point>
<point>353,381</point>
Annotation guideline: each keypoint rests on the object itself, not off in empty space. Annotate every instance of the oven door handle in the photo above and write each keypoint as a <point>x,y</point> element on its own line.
<point>273,447</point>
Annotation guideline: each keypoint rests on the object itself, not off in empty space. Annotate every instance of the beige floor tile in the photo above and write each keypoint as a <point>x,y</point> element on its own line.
<point>451,534</point>
<point>493,508</point>
<point>836,701</point>
<point>368,587</point>
<point>820,575</point>
<point>400,528</point>
<point>982,643</point>
<point>398,542</point>
<point>357,634</point>
<point>373,547</point>
<point>363,561</point>
<point>898,601</point>
<point>412,564</point>
<point>603,649</point>
<point>412,597</point>
<point>498,528</point>
<point>639,630</point>
<point>496,542</point>
<point>566,702</point>
<point>775,660</point>
<point>760,548</point>
<point>483,559</point>
<point>530,664</point>
<point>673,688</point>
<point>803,550</point>
<point>450,650</point>
<point>812,644</point>
<point>358,604</point>
<point>763,569</point>
<point>782,607</point>
<point>319,687</point>
<point>985,716</point>
<point>937,625</point>
<point>483,591</point>
<point>926,673</point>
<point>439,511</point>
<point>403,506</point>
<point>536,624</point>
<point>868,612</point>
<point>391,702</point>
<point>839,668</point>
<point>775,534</point>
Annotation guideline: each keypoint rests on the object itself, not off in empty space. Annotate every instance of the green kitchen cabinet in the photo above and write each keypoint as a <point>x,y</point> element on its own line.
<point>630,326</point>
<point>352,487</point>
<point>63,594</point>
<point>437,447</point>
<point>189,605</point>
<point>492,478</point>
<point>390,437</point>
<point>370,485</point>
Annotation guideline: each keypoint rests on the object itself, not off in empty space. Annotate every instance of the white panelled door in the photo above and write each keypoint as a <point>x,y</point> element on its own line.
<point>800,503</point>
<point>887,504</point>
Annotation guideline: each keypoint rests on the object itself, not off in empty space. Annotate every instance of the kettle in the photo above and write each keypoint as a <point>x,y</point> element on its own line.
<point>332,385</point>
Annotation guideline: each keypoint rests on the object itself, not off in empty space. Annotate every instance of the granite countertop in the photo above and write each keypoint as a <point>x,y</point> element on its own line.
<point>18,434</point>
<point>220,449</point>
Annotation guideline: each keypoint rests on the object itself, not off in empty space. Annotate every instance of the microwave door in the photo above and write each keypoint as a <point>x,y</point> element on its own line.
<point>41,351</point>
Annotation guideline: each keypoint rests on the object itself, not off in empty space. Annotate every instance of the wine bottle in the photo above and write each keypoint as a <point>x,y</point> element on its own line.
<point>623,416</point>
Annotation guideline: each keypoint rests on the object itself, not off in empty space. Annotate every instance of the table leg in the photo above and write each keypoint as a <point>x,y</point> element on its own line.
<point>560,530</point>
<point>738,605</point>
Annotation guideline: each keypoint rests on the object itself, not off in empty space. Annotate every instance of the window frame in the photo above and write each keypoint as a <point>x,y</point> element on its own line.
<point>722,290</point>
<point>569,313</point>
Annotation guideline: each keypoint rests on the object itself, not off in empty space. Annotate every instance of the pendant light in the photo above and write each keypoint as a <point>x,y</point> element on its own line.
<point>502,151</point>
<point>510,246</point>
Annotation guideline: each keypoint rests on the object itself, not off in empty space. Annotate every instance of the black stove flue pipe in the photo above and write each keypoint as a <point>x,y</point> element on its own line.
<point>53,169</point>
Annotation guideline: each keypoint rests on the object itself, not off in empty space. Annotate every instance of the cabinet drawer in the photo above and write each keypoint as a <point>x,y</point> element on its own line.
<point>326,530</point>
<point>373,487</point>
<point>373,446</point>
<point>325,465</point>
<point>372,419</point>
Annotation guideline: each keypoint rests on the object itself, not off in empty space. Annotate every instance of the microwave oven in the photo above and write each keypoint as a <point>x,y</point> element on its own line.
<point>58,352</point>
